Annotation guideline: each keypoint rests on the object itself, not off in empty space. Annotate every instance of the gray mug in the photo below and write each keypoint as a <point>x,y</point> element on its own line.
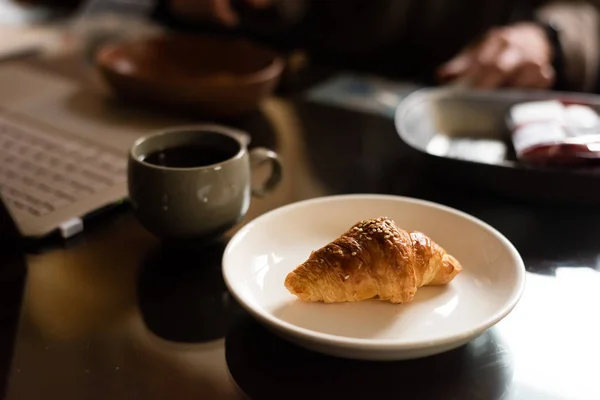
<point>194,182</point>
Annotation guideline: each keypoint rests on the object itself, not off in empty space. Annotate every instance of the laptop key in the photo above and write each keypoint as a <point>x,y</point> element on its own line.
<point>64,196</point>
<point>58,203</point>
<point>98,186</point>
<point>66,191</point>
<point>81,187</point>
<point>94,175</point>
<point>19,205</point>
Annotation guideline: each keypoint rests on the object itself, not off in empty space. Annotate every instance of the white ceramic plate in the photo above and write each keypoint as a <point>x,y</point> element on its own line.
<point>260,255</point>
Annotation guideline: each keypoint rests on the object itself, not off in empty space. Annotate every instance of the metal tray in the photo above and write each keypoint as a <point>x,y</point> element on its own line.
<point>464,135</point>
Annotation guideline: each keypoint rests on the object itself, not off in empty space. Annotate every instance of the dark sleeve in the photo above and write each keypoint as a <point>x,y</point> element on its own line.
<point>578,27</point>
<point>163,15</point>
<point>276,25</point>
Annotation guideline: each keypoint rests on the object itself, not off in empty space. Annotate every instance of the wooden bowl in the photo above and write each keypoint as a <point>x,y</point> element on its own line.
<point>211,75</point>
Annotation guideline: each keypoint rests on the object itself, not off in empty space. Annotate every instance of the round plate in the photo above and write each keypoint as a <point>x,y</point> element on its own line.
<point>258,258</point>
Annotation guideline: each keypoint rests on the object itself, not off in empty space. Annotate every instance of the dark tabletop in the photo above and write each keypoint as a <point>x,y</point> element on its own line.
<point>115,314</point>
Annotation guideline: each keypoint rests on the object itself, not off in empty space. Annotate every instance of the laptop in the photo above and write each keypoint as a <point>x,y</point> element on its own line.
<point>63,148</point>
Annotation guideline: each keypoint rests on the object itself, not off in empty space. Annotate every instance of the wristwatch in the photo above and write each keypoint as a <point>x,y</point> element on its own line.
<point>558,60</point>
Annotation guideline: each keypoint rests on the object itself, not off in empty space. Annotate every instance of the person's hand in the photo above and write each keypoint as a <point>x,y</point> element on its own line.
<point>220,11</point>
<point>514,56</point>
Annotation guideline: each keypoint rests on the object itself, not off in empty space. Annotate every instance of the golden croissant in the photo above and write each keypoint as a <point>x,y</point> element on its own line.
<point>373,259</point>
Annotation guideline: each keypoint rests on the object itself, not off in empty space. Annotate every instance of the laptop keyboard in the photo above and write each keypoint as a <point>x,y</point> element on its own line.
<point>41,173</point>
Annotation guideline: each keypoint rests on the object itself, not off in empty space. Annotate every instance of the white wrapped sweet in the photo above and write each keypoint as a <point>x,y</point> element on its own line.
<point>549,131</point>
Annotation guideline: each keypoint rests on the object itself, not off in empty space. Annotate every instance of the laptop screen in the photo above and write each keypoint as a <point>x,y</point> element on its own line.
<point>13,271</point>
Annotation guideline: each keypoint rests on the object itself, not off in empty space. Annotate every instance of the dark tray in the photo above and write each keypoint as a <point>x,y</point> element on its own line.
<point>465,137</point>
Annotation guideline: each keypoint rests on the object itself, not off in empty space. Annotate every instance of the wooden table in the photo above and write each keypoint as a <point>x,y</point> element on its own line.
<point>116,315</point>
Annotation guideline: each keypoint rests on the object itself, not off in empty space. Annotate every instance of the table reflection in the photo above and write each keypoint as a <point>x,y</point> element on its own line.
<point>181,293</point>
<point>550,332</point>
<point>265,366</point>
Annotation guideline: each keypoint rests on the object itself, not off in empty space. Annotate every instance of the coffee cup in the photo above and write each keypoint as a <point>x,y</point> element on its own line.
<point>195,182</point>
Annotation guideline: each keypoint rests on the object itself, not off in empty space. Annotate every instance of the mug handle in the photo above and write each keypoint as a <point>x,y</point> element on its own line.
<point>259,156</point>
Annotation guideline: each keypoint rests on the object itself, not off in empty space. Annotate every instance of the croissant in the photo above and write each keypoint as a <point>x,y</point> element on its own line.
<point>373,259</point>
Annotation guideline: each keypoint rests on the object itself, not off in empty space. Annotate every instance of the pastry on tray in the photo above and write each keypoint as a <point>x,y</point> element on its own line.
<point>373,259</point>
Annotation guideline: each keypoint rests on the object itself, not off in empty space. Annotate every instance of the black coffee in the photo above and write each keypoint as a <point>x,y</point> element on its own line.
<point>188,156</point>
